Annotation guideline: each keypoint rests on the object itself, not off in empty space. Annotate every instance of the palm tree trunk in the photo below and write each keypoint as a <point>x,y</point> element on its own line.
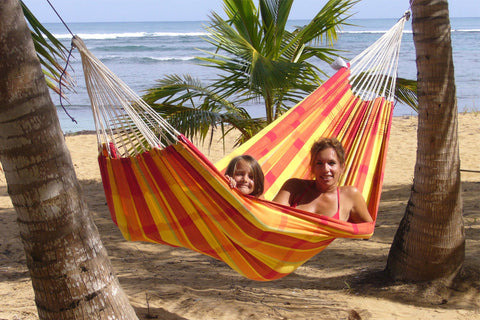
<point>430,241</point>
<point>71,274</point>
<point>268,96</point>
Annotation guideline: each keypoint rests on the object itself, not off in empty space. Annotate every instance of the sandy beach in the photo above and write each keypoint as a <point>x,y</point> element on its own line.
<point>342,282</point>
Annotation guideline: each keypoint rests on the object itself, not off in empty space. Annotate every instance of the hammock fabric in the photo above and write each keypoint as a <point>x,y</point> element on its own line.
<point>161,189</point>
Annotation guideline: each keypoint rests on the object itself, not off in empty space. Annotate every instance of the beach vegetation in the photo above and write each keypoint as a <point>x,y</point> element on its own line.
<point>257,62</point>
<point>49,51</point>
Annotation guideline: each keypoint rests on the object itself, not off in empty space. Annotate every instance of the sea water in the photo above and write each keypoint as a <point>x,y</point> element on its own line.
<point>140,53</point>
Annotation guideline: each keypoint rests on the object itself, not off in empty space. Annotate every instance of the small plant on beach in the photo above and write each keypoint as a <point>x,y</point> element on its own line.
<point>472,110</point>
<point>347,287</point>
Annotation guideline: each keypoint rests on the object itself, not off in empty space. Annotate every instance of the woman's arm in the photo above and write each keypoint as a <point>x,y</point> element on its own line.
<point>289,189</point>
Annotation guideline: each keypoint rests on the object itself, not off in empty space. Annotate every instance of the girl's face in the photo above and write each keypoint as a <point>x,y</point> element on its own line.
<point>243,177</point>
<point>327,168</point>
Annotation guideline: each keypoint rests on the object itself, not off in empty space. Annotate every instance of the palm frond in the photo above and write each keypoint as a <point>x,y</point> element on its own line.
<point>257,60</point>
<point>405,90</point>
<point>327,22</point>
<point>180,90</point>
<point>192,107</point>
<point>406,93</point>
<point>49,50</point>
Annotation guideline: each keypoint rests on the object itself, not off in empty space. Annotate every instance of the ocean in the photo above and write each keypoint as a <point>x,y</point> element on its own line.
<point>142,52</point>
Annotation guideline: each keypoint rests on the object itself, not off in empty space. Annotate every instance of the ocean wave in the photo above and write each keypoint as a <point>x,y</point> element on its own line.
<point>169,59</point>
<point>465,30</point>
<point>369,31</point>
<point>151,47</point>
<point>105,36</point>
<point>115,48</point>
<point>404,31</point>
<point>146,59</point>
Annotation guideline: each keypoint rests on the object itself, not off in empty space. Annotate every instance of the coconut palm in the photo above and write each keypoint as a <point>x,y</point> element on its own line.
<point>71,274</point>
<point>258,60</point>
<point>430,241</point>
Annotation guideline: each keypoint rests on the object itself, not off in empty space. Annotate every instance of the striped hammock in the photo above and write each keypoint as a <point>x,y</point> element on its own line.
<point>160,188</point>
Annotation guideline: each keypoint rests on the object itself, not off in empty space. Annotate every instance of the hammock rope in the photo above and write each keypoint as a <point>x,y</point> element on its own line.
<point>160,188</point>
<point>122,119</point>
<point>372,67</point>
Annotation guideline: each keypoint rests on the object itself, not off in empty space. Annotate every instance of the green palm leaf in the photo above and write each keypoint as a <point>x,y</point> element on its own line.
<point>257,61</point>
<point>195,109</point>
<point>49,50</point>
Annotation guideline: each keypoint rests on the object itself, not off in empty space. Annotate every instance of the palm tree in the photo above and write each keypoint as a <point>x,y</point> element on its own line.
<point>71,274</point>
<point>430,241</point>
<point>258,60</point>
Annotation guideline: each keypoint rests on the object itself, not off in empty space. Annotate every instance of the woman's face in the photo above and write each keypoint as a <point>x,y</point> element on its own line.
<point>327,168</point>
<point>243,177</point>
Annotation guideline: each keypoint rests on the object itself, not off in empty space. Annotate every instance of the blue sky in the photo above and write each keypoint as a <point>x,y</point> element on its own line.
<point>196,10</point>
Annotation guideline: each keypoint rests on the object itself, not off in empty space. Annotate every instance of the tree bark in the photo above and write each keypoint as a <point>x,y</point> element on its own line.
<point>430,241</point>
<point>70,270</point>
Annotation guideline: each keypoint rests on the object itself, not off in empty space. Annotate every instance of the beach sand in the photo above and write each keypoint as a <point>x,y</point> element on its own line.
<point>342,282</point>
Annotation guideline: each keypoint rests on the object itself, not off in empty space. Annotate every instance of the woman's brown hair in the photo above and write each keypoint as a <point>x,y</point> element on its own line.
<point>325,143</point>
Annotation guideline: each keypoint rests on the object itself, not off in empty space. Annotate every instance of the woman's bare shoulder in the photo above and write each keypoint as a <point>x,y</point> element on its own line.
<point>359,211</point>
<point>349,190</point>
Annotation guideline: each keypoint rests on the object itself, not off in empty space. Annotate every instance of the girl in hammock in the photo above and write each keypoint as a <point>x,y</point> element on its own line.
<point>322,194</point>
<point>245,174</point>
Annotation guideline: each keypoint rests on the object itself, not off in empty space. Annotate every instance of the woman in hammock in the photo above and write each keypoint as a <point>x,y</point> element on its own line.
<point>245,174</point>
<point>322,194</point>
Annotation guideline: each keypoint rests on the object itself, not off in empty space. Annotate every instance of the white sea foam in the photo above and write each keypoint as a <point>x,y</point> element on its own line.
<point>105,36</point>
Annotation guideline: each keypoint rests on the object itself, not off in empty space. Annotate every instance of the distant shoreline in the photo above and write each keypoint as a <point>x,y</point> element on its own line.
<point>78,133</point>
<point>87,132</point>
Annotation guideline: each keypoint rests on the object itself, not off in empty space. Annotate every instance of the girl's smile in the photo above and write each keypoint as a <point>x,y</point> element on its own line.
<point>243,177</point>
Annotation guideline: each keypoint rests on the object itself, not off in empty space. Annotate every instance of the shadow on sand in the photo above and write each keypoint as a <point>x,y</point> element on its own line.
<point>155,272</point>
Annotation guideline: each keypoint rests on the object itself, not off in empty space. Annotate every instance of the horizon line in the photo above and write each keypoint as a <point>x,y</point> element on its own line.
<point>294,19</point>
